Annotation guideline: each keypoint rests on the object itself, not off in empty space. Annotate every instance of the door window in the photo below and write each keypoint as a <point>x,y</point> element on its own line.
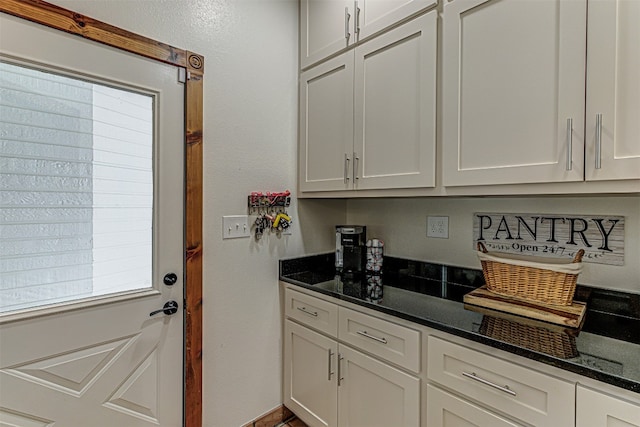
<point>76,188</point>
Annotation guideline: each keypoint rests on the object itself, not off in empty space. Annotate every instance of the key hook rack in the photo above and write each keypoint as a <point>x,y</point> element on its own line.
<point>260,203</point>
<point>271,211</point>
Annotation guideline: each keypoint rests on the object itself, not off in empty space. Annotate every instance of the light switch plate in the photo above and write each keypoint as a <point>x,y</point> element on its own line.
<point>235,226</point>
<point>438,226</point>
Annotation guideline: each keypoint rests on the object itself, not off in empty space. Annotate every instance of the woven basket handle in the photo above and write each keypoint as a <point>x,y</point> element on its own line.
<point>578,257</point>
<point>483,248</point>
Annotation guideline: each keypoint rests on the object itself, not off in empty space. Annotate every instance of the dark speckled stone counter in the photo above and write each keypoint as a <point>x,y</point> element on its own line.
<point>606,348</point>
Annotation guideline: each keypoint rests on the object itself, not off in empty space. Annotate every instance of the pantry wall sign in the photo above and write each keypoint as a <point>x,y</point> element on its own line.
<point>552,236</point>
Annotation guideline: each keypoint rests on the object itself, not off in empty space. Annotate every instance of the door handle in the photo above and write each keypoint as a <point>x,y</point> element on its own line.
<point>305,311</point>
<point>346,168</point>
<point>475,377</point>
<point>365,334</point>
<point>330,371</point>
<point>598,141</point>
<point>170,307</point>
<point>569,144</point>
<point>347,18</point>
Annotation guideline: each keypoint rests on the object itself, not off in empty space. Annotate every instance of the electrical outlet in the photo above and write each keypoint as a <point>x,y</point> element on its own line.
<point>235,226</point>
<point>438,226</point>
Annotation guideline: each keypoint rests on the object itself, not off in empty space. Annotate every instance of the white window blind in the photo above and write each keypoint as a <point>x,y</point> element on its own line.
<point>76,189</point>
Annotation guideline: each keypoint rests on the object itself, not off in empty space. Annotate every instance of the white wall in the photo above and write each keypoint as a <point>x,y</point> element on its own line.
<point>250,134</point>
<point>401,223</point>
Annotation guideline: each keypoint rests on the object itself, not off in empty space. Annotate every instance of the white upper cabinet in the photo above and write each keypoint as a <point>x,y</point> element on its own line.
<point>386,87</point>
<point>329,26</point>
<point>373,16</point>
<point>613,90</point>
<point>513,91</point>
<point>326,125</point>
<point>395,108</point>
<point>326,27</point>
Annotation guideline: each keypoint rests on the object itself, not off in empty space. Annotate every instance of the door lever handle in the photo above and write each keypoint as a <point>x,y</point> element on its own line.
<point>170,307</point>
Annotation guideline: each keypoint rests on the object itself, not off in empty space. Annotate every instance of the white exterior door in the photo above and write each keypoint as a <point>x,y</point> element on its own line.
<point>513,91</point>
<point>97,359</point>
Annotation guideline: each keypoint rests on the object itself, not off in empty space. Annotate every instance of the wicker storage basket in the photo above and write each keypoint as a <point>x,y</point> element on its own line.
<point>536,338</point>
<point>543,280</point>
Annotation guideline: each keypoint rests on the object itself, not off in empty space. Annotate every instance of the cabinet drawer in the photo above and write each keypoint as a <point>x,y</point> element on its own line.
<point>527,395</point>
<point>395,343</point>
<point>444,409</point>
<point>314,312</point>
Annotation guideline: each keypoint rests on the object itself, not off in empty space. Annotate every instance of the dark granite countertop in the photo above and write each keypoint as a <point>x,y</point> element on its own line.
<point>606,347</point>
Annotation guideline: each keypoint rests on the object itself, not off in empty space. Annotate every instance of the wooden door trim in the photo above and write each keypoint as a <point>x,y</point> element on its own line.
<point>68,21</point>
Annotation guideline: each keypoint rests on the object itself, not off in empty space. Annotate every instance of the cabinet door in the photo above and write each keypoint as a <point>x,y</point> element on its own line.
<point>310,385</point>
<point>326,125</point>
<point>525,394</point>
<point>395,107</point>
<point>326,27</point>
<point>373,16</point>
<point>447,410</point>
<point>513,83</point>
<point>594,409</point>
<point>613,90</point>
<point>373,394</point>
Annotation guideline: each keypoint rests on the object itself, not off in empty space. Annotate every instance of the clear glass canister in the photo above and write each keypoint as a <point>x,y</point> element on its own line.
<point>375,252</point>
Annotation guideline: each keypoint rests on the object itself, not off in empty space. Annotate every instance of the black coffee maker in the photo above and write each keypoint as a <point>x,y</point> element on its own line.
<point>351,251</point>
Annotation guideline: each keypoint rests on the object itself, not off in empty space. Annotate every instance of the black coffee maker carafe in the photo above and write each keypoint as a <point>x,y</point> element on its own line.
<point>351,248</point>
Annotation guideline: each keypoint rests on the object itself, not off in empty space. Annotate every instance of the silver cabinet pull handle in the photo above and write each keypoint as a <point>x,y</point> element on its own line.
<point>330,371</point>
<point>310,313</point>
<point>474,377</point>
<point>598,141</point>
<point>346,168</point>
<point>356,160</point>
<point>569,144</point>
<point>347,18</point>
<point>365,334</point>
<point>340,359</point>
<point>357,31</point>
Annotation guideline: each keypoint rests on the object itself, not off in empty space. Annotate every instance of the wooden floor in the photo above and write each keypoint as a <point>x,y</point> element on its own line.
<point>279,417</point>
<point>295,422</point>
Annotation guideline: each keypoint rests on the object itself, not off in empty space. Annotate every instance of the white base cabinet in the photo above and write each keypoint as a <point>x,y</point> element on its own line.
<point>524,394</point>
<point>310,375</point>
<point>348,366</point>
<point>374,394</point>
<point>328,383</point>
<point>595,409</point>
<point>447,410</point>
